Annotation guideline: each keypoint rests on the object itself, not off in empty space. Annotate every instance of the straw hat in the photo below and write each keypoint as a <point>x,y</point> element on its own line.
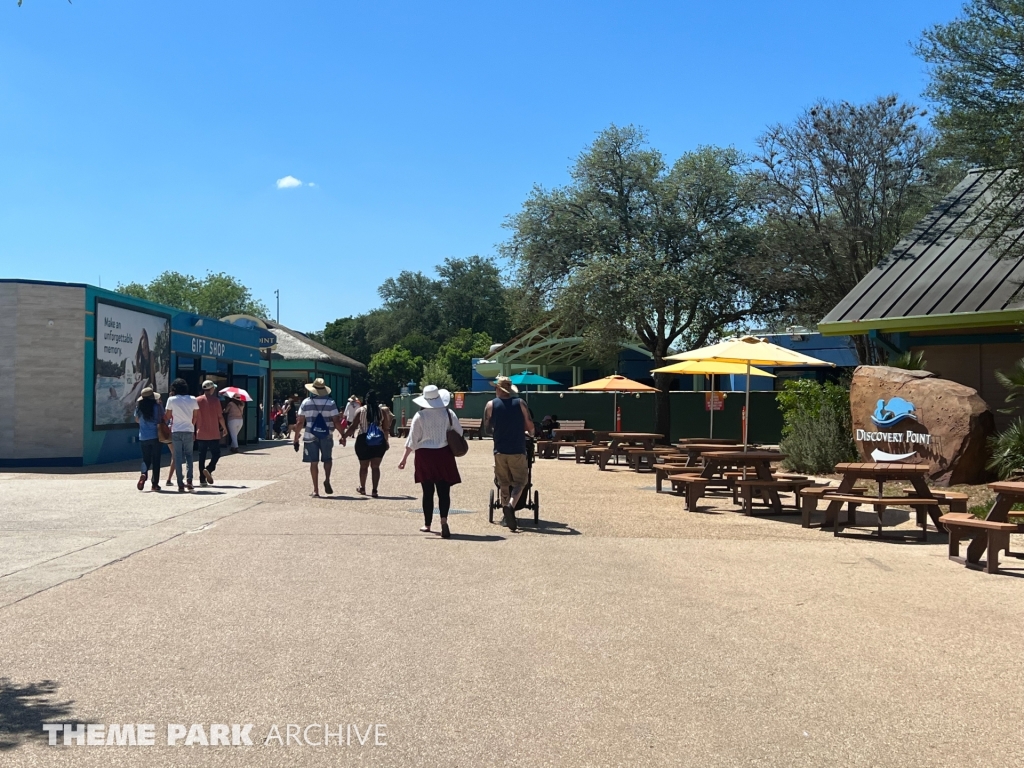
<point>433,397</point>
<point>318,388</point>
<point>147,392</point>
<point>504,384</point>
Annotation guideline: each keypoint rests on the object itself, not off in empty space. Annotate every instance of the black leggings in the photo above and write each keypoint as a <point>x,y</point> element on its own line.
<point>151,456</point>
<point>444,500</point>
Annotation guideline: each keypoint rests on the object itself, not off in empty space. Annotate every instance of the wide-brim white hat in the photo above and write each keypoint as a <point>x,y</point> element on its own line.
<point>433,397</point>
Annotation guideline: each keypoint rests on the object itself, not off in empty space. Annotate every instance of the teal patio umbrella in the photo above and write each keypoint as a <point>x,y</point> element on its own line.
<point>526,378</point>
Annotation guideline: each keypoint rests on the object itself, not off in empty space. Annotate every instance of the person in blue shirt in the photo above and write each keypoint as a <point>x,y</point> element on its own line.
<point>509,420</point>
<point>149,413</point>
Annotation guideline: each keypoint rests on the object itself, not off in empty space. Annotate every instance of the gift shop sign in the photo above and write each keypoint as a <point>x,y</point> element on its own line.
<point>898,445</point>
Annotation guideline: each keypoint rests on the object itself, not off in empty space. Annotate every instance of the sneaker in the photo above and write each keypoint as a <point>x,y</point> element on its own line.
<point>156,487</point>
<point>181,489</point>
<point>208,477</point>
<point>142,482</point>
<point>189,487</point>
<point>202,482</point>
<point>510,516</point>
<point>327,487</point>
<point>170,482</point>
<point>445,533</point>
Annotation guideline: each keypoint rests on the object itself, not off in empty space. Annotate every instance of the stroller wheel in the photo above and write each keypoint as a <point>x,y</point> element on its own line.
<point>536,508</point>
<point>490,509</point>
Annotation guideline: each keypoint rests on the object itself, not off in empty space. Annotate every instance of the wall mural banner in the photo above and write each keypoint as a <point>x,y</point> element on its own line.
<point>133,351</point>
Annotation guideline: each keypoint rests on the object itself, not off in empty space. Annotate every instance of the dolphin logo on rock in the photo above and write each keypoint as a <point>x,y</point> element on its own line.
<point>893,412</point>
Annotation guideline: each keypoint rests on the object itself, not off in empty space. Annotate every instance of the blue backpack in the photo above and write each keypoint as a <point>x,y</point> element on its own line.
<point>319,426</point>
<point>374,435</point>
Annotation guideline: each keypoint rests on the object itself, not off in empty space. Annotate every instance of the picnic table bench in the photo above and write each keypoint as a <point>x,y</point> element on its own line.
<point>989,535</point>
<point>471,428</point>
<point>641,457</point>
<point>924,501</point>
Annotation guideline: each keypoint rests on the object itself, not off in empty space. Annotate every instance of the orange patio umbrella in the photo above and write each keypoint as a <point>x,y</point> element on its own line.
<point>614,384</point>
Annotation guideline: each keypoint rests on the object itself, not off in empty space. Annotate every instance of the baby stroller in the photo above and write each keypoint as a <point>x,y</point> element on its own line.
<point>525,498</point>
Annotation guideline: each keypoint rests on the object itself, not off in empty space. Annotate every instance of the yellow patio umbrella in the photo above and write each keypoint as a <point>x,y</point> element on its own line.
<point>711,368</point>
<point>749,351</point>
<point>614,384</point>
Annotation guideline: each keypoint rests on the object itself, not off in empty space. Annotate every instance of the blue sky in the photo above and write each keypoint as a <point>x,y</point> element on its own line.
<point>139,137</point>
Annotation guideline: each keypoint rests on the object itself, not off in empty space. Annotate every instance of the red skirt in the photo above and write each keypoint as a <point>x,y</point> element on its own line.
<point>436,465</point>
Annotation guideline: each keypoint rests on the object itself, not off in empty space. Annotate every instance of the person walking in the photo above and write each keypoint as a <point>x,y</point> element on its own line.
<point>507,417</point>
<point>435,467</point>
<point>234,411</point>
<point>210,429</point>
<point>183,410</point>
<point>149,413</point>
<point>371,424</point>
<point>318,417</point>
<point>292,415</point>
<point>351,409</point>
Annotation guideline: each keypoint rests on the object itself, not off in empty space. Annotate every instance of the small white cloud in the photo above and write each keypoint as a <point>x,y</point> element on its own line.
<point>311,184</point>
<point>288,182</point>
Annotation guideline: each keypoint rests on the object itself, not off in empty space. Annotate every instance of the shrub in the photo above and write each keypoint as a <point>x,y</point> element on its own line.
<point>436,372</point>
<point>1008,451</point>
<point>817,431</point>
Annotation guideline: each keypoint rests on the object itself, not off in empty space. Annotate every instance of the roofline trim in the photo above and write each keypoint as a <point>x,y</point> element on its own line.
<point>999,317</point>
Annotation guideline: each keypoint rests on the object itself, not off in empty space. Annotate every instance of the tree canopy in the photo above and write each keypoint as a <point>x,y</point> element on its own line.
<point>216,295</point>
<point>637,249</point>
<point>977,82</point>
<point>839,187</point>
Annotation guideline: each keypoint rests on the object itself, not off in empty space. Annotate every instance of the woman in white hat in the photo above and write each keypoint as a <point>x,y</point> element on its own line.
<point>434,463</point>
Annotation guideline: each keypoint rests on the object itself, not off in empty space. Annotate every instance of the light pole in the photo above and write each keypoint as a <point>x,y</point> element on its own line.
<point>277,295</point>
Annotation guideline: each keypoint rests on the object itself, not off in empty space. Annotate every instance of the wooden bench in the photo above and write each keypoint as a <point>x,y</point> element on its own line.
<point>692,487</point>
<point>663,471</point>
<point>599,454</point>
<point>957,501</point>
<point>732,476</point>
<point>546,449</point>
<point>638,457</point>
<point>990,537</point>
<point>471,428</point>
<point>559,445</point>
<point>809,498</point>
<point>747,487</point>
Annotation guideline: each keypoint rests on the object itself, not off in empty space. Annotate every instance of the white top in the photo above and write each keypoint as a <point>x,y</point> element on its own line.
<point>181,408</point>
<point>309,409</point>
<point>429,428</point>
<point>351,409</point>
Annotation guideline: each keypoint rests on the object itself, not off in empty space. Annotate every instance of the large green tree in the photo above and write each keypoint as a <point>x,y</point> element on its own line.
<point>215,295</point>
<point>636,249</point>
<point>977,83</point>
<point>392,368</point>
<point>839,187</point>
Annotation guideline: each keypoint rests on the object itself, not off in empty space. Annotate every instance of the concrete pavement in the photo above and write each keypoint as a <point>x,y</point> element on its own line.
<point>625,632</point>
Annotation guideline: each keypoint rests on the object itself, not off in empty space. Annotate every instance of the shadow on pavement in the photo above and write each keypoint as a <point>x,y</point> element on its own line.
<point>24,709</point>
<point>549,528</point>
<point>473,537</point>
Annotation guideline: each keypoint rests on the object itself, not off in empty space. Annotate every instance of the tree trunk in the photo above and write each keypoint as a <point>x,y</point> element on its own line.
<point>662,404</point>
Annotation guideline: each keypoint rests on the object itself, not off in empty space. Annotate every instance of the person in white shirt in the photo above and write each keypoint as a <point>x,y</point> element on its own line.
<point>183,415</point>
<point>434,463</point>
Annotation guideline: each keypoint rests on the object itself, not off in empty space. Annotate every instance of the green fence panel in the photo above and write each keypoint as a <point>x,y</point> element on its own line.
<point>689,416</point>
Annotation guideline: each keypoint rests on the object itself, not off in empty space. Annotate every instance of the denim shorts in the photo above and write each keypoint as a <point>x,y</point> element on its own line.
<point>317,449</point>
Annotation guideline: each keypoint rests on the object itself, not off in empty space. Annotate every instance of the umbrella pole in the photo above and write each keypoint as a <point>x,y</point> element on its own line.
<point>711,431</point>
<point>746,411</point>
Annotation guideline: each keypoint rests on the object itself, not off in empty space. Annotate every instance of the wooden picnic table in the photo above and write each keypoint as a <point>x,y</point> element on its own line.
<point>716,462</point>
<point>694,451</point>
<point>1008,493</point>
<point>644,439</point>
<point>706,441</point>
<point>882,472</point>
<point>572,434</point>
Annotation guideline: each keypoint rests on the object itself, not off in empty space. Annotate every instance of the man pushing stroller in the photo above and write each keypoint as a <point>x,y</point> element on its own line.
<point>508,419</point>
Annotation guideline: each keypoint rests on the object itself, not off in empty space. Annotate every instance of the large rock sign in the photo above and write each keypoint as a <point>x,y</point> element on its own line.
<point>911,416</point>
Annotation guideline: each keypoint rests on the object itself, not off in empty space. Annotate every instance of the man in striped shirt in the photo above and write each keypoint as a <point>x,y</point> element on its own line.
<point>317,418</point>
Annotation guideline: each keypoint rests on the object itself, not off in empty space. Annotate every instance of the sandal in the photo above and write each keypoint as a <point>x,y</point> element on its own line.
<point>327,487</point>
<point>424,529</point>
<point>360,490</point>
<point>374,494</point>
<point>314,495</point>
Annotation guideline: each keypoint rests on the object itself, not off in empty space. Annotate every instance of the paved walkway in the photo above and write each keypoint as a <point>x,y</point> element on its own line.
<point>623,632</point>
